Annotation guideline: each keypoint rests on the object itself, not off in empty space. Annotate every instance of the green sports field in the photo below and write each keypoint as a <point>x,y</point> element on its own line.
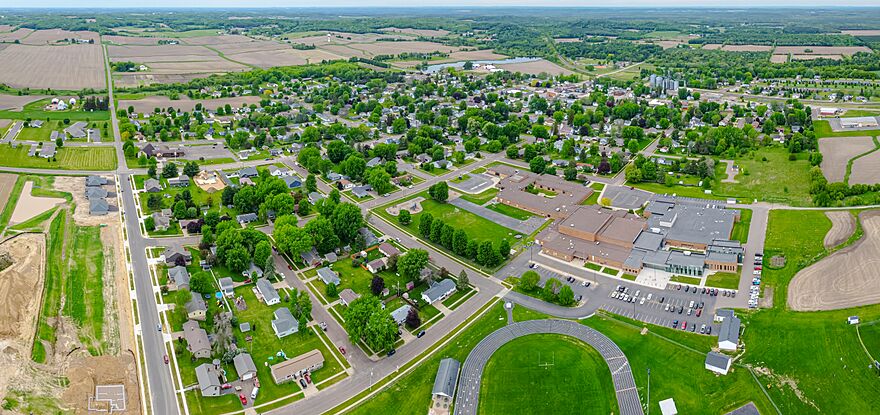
<point>549,374</point>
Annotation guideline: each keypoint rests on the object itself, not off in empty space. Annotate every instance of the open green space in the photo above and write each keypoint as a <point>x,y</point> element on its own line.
<point>870,334</point>
<point>545,373</point>
<point>729,280</point>
<point>67,158</point>
<point>776,180</point>
<point>685,280</point>
<point>628,277</point>
<point>511,211</point>
<point>593,266</point>
<point>478,228</point>
<point>741,228</point>
<point>482,197</point>
<point>798,235</point>
<point>35,111</point>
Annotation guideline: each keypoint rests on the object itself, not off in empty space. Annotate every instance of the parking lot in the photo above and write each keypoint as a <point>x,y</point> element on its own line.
<point>207,152</point>
<point>664,307</point>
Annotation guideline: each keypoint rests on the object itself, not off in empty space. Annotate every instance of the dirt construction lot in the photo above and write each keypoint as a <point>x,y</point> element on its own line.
<point>844,279</point>
<point>838,151</point>
<point>866,170</point>
<point>70,67</point>
<point>843,224</point>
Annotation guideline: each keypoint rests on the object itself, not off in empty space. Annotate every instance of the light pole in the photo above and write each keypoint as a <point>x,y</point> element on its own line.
<point>371,379</point>
<point>649,391</point>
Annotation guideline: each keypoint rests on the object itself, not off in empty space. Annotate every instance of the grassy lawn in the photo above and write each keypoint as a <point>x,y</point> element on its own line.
<point>609,271</point>
<point>684,191</point>
<point>728,280</point>
<point>676,360</point>
<point>685,280</point>
<point>36,134</point>
<point>870,334</point>
<point>357,278</point>
<point>478,227</point>
<point>592,266</point>
<point>34,110</point>
<point>741,228</point>
<point>628,277</point>
<point>798,235</point>
<point>457,295</point>
<point>482,197</point>
<point>552,367</point>
<point>774,180</point>
<point>67,158</point>
<point>593,199</point>
<point>823,129</point>
<point>511,211</point>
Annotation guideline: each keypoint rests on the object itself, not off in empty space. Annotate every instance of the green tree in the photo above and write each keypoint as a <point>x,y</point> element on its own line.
<point>169,170</point>
<point>566,296</point>
<point>439,191</point>
<point>331,291</point>
<point>460,242</point>
<point>201,282</point>
<point>404,217</point>
<point>347,220</point>
<point>410,264</point>
<point>425,225</point>
<point>191,168</point>
<point>262,251</point>
<point>463,280</point>
<point>537,165</point>
<point>529,280</point>
<point>504,248</point>
<point>551,289</point>
<point>311,183</point>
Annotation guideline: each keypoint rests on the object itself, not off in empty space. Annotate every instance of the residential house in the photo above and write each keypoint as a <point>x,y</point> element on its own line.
<point>284,324</point>
<point>442,164</point>
<point>248,172</point>
<point>152,185</point>
<point>95,192</point>
<point>348,296</point>
<point>373,162</point>
<point>361,191</point>
<point>196,340</point>
<point>333,176</point>
<point>728,334</point>
<point>246,218</point>
<point>438,291</point>
<point>77,130</point>
<point>328,276</point>
<point>48,150</point>
<point>292,182</point>
<point>227,286</point>
<point>388,249</point>
<point>244,366</point>
<point>293,368</point>
<point>182,181</point>
<point>161,220</point>
<point>311,257</point>
<point>196,309</point>
<point>209,379</point>
<point>268,292</point>
<point>377,265</point>
<point>179,276</point>
<point>279,171</point>
<point>98,207</point>
<point>314,197</point>
<point>370,238</point>
<point>173,253</point>
<point>399,315</point>
<point>95,181</point>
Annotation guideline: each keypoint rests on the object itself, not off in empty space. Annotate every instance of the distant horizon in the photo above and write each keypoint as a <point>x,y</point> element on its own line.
<point>437,4</point>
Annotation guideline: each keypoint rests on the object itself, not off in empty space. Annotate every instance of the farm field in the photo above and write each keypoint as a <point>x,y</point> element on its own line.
<point>822,285</point>
<point>17,102</point>
<point>54,36</point>
<point>416,32</point>
<point>567,375</point>
<point>866,169</point>
<point>35,109</point>
<point>27,66</point>
<point>738,48</point>
<point>536,68</point>
<point>67,158</point>
<point>837,153</point>
<point>821,50</point>
<point>843,224</point>
<point>149,104</point>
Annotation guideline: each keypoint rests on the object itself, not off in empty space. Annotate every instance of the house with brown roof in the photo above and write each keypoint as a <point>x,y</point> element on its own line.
<point>293,368</point>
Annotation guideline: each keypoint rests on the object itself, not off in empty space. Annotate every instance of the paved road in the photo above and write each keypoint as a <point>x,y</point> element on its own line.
<point>467,398</point>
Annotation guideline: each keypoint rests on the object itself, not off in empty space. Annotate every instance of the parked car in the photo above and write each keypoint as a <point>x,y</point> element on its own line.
<point>225,386</point>
<point>342,350</point>
<point>303,383</point>
<point>421,333</point>
<point>242,398</point>
<point>675,324</point>
<point>166,359</point>
<point>703,329</point>
<point>391,352</point>
<point>662,299</point>
<point>642,302</point>
<point>684,325</point>
<point>699,311</point>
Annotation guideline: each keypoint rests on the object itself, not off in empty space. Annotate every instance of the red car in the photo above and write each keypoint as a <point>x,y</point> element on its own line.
<point>225,386</point>
<point>242,398</point>
<point>289,267</point>
<point>308,377</point>
<point>684,325</point>
<point>342,350</point>
<point>166,359</point>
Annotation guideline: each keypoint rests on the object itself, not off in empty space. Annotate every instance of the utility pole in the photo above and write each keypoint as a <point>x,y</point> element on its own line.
<point>649,391</point>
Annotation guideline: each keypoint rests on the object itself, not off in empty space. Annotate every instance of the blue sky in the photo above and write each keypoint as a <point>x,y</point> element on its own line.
<point>452,3</point>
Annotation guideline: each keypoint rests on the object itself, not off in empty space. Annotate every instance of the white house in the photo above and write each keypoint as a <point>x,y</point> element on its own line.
<point>718,363</point>
<point>284,324</point>
<point>438,291</point>
<point>270,295</point>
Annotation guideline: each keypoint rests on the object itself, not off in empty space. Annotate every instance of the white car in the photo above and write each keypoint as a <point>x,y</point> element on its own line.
<point>649,296</point>
<point>642,302</point>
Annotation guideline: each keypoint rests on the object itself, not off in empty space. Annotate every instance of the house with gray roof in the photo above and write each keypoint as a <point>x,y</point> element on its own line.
<point>227,286</point>
<point>196,339</point>
<point>95,192</point>
<point>718,363</point>
<point>348,296</point>
<point>311,257</point>
<point>373,162</point>
<point>48,150</point>
<point>181,181</point>
<point>244,366</point>
<point>268,292</point>
<point>314,197</point>
<point>370,238</point>
<point>246,218</point>
<point>328,276</point>
<point>284,324</point>
<point>95,181</point>
<point>292,182</point>
<point>399,315</point>
<point>179,276</point>
<point>152,185</point>
<point>172,253</point>
<point>361,191</point>
<point>161,221</point>
<point>77,130</point>
<point>248,172</point>
<point>438,291</point>
<point>209,379</point>
<point>446,379</point>
<point>98,206</point>
<point>196,309</point>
